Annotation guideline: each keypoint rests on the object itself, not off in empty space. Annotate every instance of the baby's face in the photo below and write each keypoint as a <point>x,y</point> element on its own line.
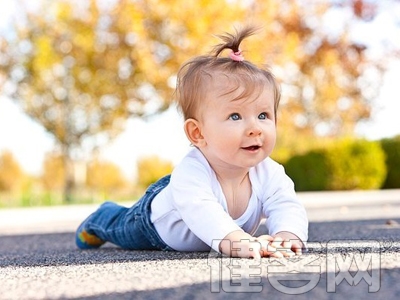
<point>238,133</point>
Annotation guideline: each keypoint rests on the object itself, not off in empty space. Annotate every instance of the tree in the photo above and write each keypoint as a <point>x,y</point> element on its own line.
<point>104,176</point>
<point>53,172</point>
<point>11,174</point>
<point>329,81</point>
<point>152,168</point>
<point>82,70</point>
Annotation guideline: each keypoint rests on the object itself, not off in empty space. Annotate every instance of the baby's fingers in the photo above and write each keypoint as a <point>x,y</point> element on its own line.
<point>273,252</point>
<point>297,249</point>
<point>287,249</point>
<point>269,250</point>
<point>284,247</point>
<point>277,242</point>
<point>287,244</point>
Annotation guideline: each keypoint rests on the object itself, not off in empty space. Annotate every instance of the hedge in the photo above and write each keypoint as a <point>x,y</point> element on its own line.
<point>345,165</point>
<point>392,151</point>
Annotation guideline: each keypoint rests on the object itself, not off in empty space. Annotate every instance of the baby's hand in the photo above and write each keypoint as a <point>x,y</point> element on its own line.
<point>291,241</point>
<point>241,244</point>
<point>275,246</point>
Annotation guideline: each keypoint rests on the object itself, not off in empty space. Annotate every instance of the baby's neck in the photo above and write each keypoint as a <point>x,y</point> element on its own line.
<point>232,178</point>
<point>237,191</point>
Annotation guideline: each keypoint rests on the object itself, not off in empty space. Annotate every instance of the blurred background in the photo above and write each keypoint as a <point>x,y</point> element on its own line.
<point>86,91</point>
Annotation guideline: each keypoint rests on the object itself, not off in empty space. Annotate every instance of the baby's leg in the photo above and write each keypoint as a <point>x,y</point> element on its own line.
<point>129,228</point>
<point>106,224</point>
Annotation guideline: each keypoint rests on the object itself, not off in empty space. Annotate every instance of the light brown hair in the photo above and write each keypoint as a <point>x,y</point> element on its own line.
<point>195,75</point>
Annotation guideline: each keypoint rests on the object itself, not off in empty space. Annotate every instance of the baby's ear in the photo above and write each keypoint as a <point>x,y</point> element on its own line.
<point>193,132</point>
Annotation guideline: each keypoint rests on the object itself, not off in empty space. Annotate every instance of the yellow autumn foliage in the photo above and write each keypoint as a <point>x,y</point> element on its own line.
<point>152,168</point>
<point>11,174</point>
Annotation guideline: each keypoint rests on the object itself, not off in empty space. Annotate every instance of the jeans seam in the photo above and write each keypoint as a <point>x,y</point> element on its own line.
<point>147,227</point>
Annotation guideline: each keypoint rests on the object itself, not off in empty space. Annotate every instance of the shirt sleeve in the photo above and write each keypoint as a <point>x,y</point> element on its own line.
<point>194,194</point>
<point>281,206</point>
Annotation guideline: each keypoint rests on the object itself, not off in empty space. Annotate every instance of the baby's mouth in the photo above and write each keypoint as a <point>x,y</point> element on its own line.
<point>252,148</point>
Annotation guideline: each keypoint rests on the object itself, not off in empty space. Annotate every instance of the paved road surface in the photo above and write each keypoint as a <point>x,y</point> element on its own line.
<point>353,237</point>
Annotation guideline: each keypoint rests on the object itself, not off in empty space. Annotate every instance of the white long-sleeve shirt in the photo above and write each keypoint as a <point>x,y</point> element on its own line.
<point>192,211</point>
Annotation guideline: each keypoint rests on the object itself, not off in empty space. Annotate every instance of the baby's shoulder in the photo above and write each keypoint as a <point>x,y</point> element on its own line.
<point>267,175</point>
<point>267,167</point>
<point>194,160</point>
<point>193,165</point>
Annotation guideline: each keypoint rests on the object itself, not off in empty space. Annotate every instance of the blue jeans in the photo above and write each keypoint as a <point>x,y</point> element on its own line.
<point>129,228</point>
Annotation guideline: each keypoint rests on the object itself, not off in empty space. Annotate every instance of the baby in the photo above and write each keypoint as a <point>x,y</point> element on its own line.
<point>222,189</point>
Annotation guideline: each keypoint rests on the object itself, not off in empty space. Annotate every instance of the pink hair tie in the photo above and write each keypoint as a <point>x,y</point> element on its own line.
<point>236,56</point>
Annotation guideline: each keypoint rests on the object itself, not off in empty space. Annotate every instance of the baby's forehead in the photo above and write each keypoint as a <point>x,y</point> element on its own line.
<point>242,85</point>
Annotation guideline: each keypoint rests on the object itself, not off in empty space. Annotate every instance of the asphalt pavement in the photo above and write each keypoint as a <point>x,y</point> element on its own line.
<point>354,251</point>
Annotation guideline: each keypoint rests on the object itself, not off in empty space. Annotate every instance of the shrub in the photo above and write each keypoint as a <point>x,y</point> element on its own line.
<point>392,151</point>
<point>345,165</point>
<point>308,171</point>
<point>356,165</point>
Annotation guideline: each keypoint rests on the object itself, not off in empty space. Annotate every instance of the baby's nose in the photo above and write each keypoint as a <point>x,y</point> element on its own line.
<point>253,130</point>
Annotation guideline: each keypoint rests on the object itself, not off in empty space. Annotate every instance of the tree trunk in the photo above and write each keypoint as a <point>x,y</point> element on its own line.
<point>69,182</point>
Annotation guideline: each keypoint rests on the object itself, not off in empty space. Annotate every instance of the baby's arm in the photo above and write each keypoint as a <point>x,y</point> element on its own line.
<point>241,244</point>
<point>286,216</point>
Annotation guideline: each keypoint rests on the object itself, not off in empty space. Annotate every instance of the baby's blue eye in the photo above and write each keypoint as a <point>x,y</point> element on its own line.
<point>262,116</point>
<point>234,117</point>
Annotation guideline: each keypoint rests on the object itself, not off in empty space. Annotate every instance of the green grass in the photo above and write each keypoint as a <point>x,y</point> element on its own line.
<point>30,199</point>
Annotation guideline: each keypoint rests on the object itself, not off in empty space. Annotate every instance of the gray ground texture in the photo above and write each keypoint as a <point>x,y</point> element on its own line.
<point>354,252</point>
